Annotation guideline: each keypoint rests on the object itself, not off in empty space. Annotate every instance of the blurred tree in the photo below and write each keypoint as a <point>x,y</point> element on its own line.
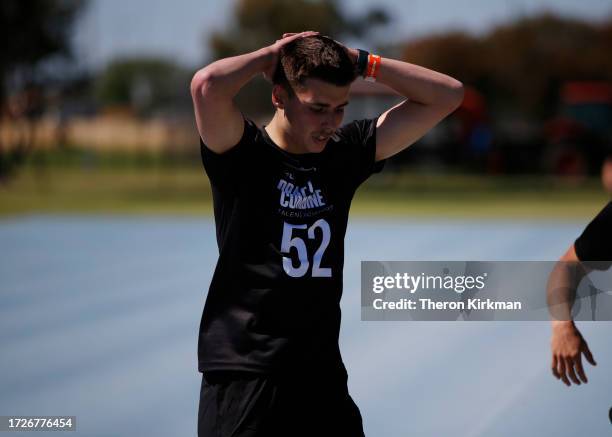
<point>31,31</point>
<point>531,58</point>
<point>520,65</point>
<point>456,53</point>
<point>144,84</point>
<point>259,23</point>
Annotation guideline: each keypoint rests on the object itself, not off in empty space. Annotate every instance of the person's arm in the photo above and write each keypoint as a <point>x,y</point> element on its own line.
<point>214,87</point>
<point>430,96</point>
<point>567,343</point>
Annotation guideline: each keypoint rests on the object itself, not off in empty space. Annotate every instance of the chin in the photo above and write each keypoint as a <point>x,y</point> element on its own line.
<point>316,147</point>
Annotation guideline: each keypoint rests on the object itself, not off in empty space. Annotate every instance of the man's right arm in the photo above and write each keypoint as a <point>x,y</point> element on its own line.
<point>214,87</point>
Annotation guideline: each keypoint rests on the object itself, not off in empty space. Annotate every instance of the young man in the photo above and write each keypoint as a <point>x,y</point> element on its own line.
<point>567,344</point>
<point>268,346</point>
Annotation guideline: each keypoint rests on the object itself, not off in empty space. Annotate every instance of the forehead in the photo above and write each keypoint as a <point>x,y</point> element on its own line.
<point>318,91</point>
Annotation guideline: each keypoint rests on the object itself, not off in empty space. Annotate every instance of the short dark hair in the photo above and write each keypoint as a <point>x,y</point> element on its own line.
<point>317,57</point>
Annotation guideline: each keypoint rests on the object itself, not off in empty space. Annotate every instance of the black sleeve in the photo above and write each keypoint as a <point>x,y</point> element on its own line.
<point>595,243</point>
<point>226,169</point>
<point>360,138</point>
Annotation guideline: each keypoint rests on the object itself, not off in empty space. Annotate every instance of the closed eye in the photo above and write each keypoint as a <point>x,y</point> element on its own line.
<point>318,110</point>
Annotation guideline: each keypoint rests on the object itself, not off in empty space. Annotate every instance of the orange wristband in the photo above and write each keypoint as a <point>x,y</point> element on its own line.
<point>374,62</point>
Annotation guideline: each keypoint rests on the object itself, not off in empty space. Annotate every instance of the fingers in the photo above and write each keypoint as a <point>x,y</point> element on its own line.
<point>567,349</point>
<point>587,353</point>
<point>295,35</point>
<point>563,368</point>
<point>308,33</point>
<point>561,371</point>
<point>580,370</point>
<point>554,367</point>
<point>569,367</point>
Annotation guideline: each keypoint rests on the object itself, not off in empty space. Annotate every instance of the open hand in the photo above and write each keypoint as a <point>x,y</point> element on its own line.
<point>274,51</point>
<point>567,347</point>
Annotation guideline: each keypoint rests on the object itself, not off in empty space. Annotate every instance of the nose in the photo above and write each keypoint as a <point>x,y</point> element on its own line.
<point>331,121</point>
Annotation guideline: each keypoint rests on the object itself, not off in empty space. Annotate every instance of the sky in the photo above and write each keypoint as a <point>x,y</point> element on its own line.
<point>179,29</point>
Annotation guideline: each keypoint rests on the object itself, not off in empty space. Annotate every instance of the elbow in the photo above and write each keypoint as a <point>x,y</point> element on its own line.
<point>455,94</point>
<point>202,83</point>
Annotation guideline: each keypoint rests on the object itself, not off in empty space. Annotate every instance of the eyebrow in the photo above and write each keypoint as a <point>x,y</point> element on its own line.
<point>327,105</point>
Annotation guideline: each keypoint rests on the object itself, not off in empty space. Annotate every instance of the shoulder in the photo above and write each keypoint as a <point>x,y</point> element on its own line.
<point>357,131</point>
<point>251,134</point>
<point>355,138</point>
<point>595,242</point>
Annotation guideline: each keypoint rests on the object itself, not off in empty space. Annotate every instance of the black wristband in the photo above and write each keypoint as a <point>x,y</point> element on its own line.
<point>362,62</point>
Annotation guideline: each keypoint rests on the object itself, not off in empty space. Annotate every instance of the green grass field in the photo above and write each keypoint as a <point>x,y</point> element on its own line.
<point>184,190</point>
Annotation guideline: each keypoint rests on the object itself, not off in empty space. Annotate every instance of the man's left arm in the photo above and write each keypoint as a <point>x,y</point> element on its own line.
<point>567,344</point>
<point>430,96</point>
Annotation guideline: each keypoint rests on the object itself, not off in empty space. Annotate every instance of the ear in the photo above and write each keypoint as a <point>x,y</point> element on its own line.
<point>279,96</point>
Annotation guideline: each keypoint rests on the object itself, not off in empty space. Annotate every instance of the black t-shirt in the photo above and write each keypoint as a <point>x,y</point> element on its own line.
<point>595,242</point>
<point>274,300</point>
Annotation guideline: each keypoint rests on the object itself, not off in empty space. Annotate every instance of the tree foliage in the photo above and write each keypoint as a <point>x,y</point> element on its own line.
<point>31,31</point>
<point>260,22</point>
<point>144,84</point>
<point>521,65</point>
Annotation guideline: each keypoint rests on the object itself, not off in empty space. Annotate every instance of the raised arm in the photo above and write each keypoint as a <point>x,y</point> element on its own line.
<point>431,96</point>
<point>214,87</point>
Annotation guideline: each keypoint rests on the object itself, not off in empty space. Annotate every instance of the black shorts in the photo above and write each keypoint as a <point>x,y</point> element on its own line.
<point>240,404</point>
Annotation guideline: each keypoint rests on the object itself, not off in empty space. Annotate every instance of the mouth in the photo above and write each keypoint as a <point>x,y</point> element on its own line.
<point>321,138</point>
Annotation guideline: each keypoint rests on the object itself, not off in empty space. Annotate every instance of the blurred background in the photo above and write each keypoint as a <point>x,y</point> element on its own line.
<point>96,92</point>
<point>106,229</point>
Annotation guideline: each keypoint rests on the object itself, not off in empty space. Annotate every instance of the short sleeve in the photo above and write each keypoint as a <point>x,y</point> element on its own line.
<point>595,242</point>
<point>226,169</point>
<point>360,139</point>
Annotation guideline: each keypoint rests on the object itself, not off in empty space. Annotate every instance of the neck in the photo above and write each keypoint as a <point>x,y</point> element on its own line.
<point>278,130</point>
